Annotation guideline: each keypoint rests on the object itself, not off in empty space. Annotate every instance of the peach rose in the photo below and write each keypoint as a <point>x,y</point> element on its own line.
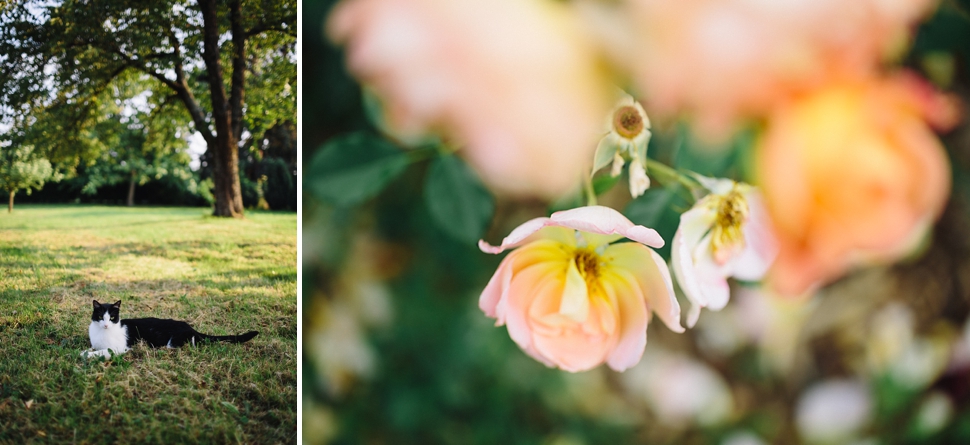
<point>516,84</point>
<point>852,173</point>
<point>720,61</point>
<point>573,298</point>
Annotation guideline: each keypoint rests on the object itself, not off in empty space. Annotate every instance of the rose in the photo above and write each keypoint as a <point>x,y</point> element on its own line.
<point>572,297</point>
<point>852,174</point>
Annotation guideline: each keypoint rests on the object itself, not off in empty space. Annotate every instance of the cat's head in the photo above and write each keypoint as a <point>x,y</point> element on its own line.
<point>106,314</point>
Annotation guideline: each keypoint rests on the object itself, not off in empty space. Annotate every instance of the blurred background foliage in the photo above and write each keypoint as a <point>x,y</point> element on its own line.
<point>136,167</point>
<point>397,351</point>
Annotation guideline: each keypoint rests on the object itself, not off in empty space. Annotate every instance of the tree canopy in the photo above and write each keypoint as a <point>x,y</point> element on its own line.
<point>228,68</point>
<point>21,169</point>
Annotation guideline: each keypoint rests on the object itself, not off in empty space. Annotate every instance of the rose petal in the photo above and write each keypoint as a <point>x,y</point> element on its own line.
<point>694,223</point>
<point>493,300</point>
<point>535,281</point>
<point>633,323</point>
<point>711,278</point>
<point>761,248</point>
<point>592,219</point>
<point>573,349</point>
<point>650,273</point>
<point>575,296</point>
<point>717,186</point>
<point>518,236</point>
<point>496,287</point>
<point>605,221</point>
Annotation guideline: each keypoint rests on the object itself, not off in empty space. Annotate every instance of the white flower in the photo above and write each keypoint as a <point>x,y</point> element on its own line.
<point>627,137</point>
<point>726,234</point>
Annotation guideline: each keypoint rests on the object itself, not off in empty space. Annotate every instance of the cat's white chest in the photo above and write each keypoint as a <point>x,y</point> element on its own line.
<point>113,337</point>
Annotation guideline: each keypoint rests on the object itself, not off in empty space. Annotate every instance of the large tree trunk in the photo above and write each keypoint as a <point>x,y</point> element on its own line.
<point>131,190</point>
<point>228,192</point>
<point>10,204</point>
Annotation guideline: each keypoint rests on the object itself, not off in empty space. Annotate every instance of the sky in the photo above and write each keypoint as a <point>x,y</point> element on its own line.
<point>196,149</point>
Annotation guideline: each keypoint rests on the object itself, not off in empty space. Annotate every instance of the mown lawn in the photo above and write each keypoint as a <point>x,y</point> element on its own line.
<point>223,276</point>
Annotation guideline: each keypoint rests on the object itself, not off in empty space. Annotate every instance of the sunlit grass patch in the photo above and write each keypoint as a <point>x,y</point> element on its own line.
<point>222,276</point>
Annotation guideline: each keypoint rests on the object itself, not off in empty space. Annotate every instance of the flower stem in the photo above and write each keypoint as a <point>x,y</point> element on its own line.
<point>669,175</point>
<point>590,192</point>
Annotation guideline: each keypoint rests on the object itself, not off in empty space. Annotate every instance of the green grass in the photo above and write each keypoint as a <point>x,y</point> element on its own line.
<point>223,276</point>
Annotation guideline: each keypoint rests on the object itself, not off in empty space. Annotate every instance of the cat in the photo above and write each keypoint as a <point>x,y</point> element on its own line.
<point>111,336</point>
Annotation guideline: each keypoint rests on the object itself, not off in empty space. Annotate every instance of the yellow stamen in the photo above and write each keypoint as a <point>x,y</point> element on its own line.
<point>726,235</point>
<point>588,263</point>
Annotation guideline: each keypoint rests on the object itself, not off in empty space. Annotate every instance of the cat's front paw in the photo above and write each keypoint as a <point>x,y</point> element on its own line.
<point>90,353</point>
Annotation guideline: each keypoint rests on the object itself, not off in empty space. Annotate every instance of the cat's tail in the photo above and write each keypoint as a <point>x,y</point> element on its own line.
<point>243,338</point>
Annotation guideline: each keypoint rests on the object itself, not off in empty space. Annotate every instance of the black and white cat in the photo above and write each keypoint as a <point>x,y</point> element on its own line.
<point>109,335</point>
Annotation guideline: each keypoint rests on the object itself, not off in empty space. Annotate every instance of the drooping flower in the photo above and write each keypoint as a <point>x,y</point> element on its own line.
<point>852,174</point>
<point>627,137</point>
<point>726,234</point>
<point>572,297</point>
<point>517,84</point>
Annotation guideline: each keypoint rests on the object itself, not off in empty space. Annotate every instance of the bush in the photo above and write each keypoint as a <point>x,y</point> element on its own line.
<point>250,192</point>
<point>280,186</point>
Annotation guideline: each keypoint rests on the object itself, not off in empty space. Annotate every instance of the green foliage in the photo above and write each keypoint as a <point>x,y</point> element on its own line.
<point>353,168</point>
<point>22,169</point>
<point>251,192</point>
<point>204,189</point>
<point>660,209</point>
<point>129,156</point>
<point>279,188</point>
<point>94,54</point>
<point>457,200</point>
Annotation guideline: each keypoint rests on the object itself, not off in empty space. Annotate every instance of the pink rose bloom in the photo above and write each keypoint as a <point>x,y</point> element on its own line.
<point>572,298</point>
<point>515,83</point>
<point>852,174</point>
<point>722,60</point>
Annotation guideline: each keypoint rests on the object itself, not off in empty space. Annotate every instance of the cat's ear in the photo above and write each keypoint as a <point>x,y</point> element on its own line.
<point>96,304</point>
<point>117,304</point>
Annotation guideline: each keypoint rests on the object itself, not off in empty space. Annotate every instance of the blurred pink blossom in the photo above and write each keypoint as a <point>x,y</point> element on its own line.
<point>721,60</point>
<point>516,83</point>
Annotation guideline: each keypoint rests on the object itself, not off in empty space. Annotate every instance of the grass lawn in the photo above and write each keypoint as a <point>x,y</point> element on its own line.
<point>223,276</point>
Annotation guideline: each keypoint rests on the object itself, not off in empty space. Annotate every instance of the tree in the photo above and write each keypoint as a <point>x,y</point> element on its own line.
<point>133,154</point>
<point>21,169</point>
<point>197,54</point>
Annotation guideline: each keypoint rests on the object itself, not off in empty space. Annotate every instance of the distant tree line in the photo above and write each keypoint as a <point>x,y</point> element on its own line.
<point>267,174</point>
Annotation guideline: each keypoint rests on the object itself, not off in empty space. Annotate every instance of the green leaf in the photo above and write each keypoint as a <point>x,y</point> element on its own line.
<point>351,169</point>
<point>230,406</point>
<point>659,209</point>
<point>724,159</point>
<point>603,183</point>
<point>458,202</point>
<point>605,151</point>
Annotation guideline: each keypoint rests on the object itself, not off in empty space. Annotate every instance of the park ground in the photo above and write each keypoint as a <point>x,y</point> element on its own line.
<point>223,276</point>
